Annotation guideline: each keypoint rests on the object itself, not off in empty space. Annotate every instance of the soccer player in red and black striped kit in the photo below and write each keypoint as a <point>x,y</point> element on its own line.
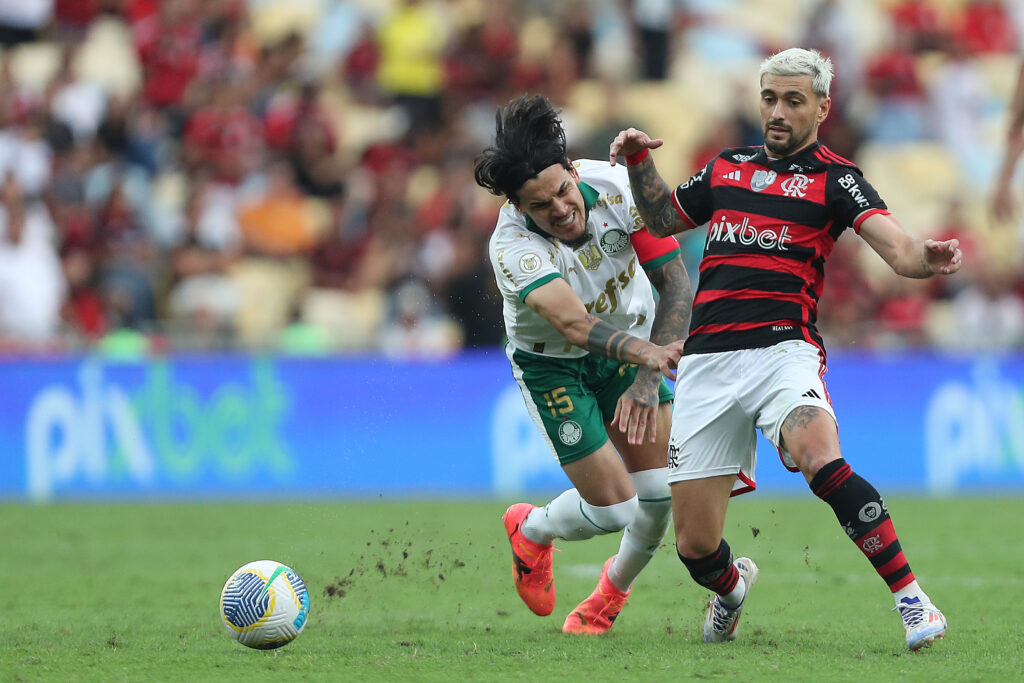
<point>753,358</point>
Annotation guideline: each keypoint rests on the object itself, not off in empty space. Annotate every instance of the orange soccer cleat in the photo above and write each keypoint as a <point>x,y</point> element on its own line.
<point>531,562</point>
<point>597,613</point>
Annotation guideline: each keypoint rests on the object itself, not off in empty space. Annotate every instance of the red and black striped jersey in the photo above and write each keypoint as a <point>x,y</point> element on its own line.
<point>772,224</point>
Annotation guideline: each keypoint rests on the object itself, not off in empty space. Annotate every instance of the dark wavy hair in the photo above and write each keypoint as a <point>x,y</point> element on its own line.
<point>528,138</point>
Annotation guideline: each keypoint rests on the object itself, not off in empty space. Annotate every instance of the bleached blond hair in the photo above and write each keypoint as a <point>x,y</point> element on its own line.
<point>800,62</point>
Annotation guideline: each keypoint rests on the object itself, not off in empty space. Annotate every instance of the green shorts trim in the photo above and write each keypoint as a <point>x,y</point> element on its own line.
<point>571,399</point>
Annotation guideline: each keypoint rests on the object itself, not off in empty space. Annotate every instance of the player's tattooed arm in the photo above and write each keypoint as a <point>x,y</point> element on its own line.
<point>557,303</point>
<point>675,302</point>
<point>605,340</point>
<point>653,199</point>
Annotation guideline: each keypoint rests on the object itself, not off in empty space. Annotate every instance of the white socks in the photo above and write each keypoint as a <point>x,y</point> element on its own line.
<point>646,531</point>
<point>735,598</point>
<point>571,518</point>
<point>646,518</point>
<point>911,590</point>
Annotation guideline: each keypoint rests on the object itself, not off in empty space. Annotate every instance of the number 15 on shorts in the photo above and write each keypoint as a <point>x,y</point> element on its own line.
<point>557,397</point>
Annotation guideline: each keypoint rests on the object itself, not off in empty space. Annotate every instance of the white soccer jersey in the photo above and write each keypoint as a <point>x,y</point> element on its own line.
<point>606,272</point>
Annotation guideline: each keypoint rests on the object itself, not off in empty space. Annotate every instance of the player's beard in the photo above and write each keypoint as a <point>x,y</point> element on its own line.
<point>579,241</point>
<point>782,150</point>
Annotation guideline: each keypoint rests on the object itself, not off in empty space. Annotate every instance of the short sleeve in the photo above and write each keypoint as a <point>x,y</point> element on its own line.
<point>653,251</point>
<point>853,198</point>
<point>522,262</point>
<point>692,199</point>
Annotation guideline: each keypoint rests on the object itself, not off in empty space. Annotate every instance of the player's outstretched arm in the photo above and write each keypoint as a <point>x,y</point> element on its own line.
<point>651,193</point>
<point>636,410</point>
<point>561,306</point>
<point>909,256</point>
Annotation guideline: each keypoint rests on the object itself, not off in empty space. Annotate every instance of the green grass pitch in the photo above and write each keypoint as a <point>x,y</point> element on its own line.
<point>411,591</point>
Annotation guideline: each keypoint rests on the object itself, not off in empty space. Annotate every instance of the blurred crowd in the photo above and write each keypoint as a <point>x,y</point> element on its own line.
<point>296,175</point>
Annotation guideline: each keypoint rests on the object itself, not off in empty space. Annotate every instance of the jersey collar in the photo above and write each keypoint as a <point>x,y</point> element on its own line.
<point>782,164</point>
<point>590,196</point>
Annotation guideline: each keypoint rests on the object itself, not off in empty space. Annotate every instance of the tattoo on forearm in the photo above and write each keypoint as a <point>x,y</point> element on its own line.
<point>644,393</point>
<point>672,316</point>
<point>609,342</point>
<point>653,199</point>
<point>675,301</point>
<point>800,417</point>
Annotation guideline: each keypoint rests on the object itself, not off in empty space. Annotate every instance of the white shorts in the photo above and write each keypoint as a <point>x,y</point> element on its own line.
<point>723,398</point>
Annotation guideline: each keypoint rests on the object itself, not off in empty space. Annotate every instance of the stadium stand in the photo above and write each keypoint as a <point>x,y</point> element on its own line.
<point>295,175</point>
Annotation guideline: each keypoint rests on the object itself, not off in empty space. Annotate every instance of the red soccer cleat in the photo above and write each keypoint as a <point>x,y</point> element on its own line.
<point>531,562</point>
<point>597,613</point>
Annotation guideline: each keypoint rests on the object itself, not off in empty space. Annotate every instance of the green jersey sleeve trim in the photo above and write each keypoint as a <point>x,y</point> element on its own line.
<point>661,260</point>
<point>537,283</point>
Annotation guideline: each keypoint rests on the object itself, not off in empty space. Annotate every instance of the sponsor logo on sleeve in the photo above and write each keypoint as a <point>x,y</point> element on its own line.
<point>849,183</point>
<point>529,263</point>
<point>697,177</point>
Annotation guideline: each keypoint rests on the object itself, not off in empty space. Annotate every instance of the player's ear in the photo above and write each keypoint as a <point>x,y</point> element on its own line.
<point>573,171</point>
<point>823,109</point>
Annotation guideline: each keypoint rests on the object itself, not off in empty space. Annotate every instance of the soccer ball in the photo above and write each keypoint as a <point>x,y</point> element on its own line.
<point>264,605</point>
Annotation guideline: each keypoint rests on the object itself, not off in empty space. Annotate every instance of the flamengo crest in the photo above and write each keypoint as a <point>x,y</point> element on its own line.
<point>796,186</point>
<point>871,544</point>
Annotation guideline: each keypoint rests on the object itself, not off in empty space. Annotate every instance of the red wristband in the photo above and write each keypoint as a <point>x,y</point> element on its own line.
<point>638,158</point>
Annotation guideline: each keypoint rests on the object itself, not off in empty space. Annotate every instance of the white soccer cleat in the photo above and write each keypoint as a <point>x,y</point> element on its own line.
<point>923,622</point>
<point>721,622</point>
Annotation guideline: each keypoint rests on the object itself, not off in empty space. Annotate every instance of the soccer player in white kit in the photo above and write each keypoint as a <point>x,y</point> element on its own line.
<point>575,267</point>
<point>753,358</point>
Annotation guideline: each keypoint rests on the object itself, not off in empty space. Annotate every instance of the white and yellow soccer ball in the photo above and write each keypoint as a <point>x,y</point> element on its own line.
<point>264,605</point>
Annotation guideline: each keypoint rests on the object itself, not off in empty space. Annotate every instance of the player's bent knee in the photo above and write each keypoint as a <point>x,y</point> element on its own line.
<point>652,485</point>
<point>695,547</point>
<point>610,518</point>
<point>708,569</point>
<point>811,462</point>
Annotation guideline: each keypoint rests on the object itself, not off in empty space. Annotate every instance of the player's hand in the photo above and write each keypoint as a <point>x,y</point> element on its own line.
<point>631,141</point>
<point>664,359</point>
<point>943,257</point>
<point>636,411</point>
